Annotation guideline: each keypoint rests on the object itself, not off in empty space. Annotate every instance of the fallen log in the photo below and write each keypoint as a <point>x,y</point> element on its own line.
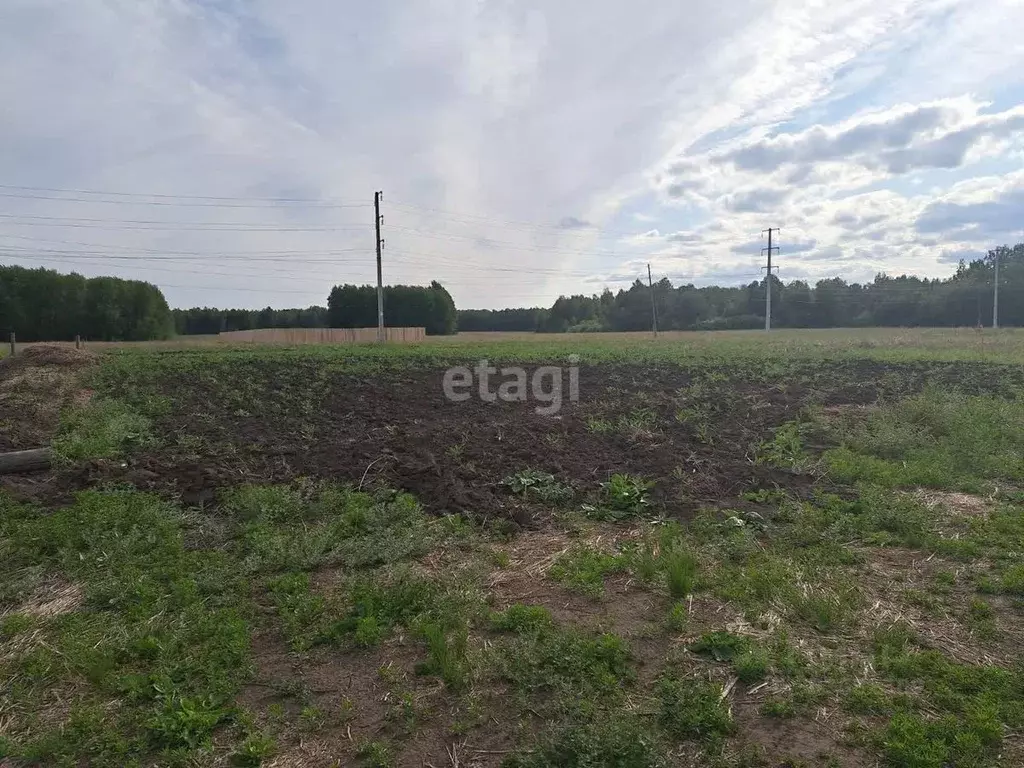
<point>25,461</point>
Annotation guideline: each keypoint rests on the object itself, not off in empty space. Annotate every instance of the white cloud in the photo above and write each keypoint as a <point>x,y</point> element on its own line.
<point>503,135</point>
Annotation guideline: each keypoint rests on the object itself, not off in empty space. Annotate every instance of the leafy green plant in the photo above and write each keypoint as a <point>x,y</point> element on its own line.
<point>185,722</point>
<point>376,754</point>
<point>623,496</point>
<point>786,449</point>
<point>256,748</point>
<point>750,661</point>
<point>542,486</point>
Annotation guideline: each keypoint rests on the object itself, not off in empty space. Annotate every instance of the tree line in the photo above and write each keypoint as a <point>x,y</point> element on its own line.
<point>348,306</point>
<point>210,320</point>
<point>355,306</point>
<point>42,304</point>
<point>45,305</point>
<point>963,299</point>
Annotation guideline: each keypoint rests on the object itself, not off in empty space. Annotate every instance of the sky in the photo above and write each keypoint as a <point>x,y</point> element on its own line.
<point>229,150</point>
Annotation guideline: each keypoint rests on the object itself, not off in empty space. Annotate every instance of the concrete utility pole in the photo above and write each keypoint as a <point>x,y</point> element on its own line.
<point>378,220</point>
<point>768,279</point>
<point>654,306</point>
<point>995,294</point>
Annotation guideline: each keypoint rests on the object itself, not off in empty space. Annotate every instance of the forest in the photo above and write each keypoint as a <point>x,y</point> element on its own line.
<point>348,306</point>
<point>964,299</point>
<point>42,304</point>
<point>45,305</point>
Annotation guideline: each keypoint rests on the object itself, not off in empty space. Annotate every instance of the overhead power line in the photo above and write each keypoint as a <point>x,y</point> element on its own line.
<point>131,198</point>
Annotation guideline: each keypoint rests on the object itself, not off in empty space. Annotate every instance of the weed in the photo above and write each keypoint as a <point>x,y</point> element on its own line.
<point>185,722</point>
<point>311,718</point>
<point>938,438</point>
<point>376,754</point>
<point>974,703</point>
<point>330,525</point>
<point>677,618</point>
<point>722,646</point>
<point>377,604</point>
<point>765,496</point>
<point>692,709</point>
<point>867,699</point>
<point>301,612</point>
<point>254,750</point>
<point>585,569</point>
<point>646,563</point>
<point>623,496</point>
<point>786,449</point>
<point>751,666</point>
<point>565,660</point>
<point>447,655</point>
<point>781,708</point>
<point>521,618</point>
<point>619,740</point>
<point>542,486</point>
<point>680,572</point>
<point>750,662</point>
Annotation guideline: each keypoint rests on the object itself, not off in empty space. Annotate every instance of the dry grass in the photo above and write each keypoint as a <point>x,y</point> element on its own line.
<point>963,504</point>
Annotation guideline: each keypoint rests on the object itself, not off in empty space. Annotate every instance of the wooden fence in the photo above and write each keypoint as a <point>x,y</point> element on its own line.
<point>324,335</point>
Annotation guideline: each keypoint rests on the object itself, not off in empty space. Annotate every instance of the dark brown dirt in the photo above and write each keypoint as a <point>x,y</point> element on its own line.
<point>402,432</point>
<point>274,421</point>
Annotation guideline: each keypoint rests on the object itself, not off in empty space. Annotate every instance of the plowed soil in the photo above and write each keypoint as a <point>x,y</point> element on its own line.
<point>278,421</point>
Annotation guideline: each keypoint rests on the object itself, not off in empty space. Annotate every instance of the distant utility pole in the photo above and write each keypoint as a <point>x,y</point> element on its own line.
<point>768,278</point>
<point>378,219</point>
<point>995,295</point>
<point>654,306</point>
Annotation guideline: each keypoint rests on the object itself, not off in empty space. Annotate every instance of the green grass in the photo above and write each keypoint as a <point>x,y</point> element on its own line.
<point>150,667</point>
<point>692,709</point>
<point>103,428</point>
<point>584,569</point>
<point>542,658</point>
<point>938,439</point>
<point>157,652</point>
<point>609,739</point>
<point>283,528</point>
<point>965,708</point>
<point>750,662</point>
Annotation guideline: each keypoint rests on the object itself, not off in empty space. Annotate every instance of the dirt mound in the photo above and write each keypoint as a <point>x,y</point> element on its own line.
<point>47,354</point>
<point>35,385</point>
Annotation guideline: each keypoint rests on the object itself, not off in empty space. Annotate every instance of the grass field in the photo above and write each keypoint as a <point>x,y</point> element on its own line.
<point>734,550</point>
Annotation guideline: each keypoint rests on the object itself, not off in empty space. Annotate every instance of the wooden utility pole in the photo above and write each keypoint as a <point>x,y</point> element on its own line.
<point>995,295</point>
<point>654,305</point>
<point>768,279</point>
<point>380,280</point>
